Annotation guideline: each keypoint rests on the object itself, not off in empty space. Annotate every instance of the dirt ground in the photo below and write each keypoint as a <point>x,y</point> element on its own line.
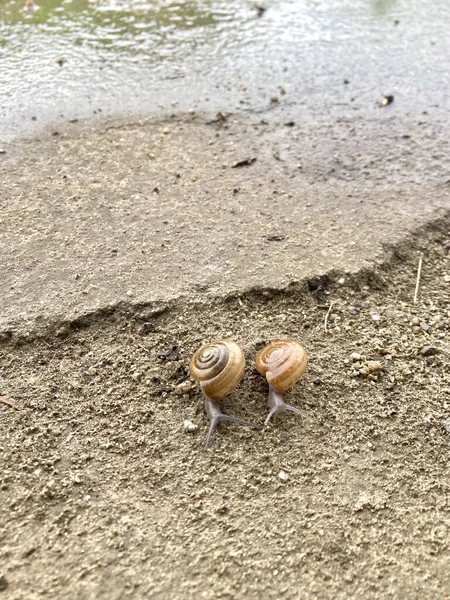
<point>105,495</point>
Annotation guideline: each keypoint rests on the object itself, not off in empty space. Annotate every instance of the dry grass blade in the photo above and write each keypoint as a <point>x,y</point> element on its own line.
<point>327,317</point>
<point>419,272</point>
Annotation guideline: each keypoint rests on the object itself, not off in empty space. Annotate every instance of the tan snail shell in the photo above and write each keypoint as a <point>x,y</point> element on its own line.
<point>218,367</point>
<point>282,363</point>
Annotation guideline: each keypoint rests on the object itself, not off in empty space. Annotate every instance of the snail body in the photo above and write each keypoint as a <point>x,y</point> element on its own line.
<point>218,367</point>
<point>282,363</point>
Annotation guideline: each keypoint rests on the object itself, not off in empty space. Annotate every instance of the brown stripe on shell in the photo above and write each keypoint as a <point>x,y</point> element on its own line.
<point>219,367</point>
<point>282,363</point>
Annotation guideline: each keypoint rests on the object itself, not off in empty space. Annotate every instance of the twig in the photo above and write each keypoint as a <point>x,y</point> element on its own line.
<point>7,401</point>
<point>326,317</point>
<point>419,271</point>
<point>143,348</point>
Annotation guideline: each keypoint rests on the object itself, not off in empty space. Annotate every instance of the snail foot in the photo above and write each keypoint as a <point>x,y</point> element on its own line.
<point>217,417</point>
<point>278,405</point>
<point>223,419</point>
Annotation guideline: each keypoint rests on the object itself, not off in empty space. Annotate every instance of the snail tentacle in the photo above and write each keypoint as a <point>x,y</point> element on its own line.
<point>278,405</point>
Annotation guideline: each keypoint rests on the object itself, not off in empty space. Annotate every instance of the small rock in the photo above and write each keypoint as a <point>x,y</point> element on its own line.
<point>283,476</point>
<point>166,130</point>
<point>373,366</point>
<point>184,388</point>
<point>189,426</point>
<point>430,350</point>
<point>386,100</point>
<point>3,583</point>
<point>191,111</point>
<point>171,354</point>
<point>130,293</point>
<point>260,10</point>
<point>446,426</point>
<point>2,151</point>
<point>375,317</point>
<point>222,510</point>
<point>29,551</point>
<point>274,99</point>
<point>355,356</point>
<point>243,163</point>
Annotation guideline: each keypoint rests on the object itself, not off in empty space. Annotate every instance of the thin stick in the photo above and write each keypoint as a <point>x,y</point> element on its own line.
<point>326,317</point>
<point>419,271</point>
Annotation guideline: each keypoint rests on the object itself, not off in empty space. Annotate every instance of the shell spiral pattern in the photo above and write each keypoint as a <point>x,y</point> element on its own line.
<point>218,367</point>
<point>282,363</point>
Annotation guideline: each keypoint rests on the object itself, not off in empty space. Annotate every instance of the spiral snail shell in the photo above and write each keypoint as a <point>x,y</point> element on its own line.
<point>282,363</point>
<point>218,367</point>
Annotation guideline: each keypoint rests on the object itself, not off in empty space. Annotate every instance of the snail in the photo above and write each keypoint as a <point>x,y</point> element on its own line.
<point>282,363</point>
<point>218,367</point>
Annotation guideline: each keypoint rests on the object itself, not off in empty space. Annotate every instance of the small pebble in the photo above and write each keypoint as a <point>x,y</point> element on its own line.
<point>375,317</point>
<point>283,476</point>
<point>189,426</point>
<point>373,365</point>
<point>3,583</point>
<point>355,356</point>
<point>184,388</point>
<point>191,111</point>
<point>430,350</point>
<point>130,293</point>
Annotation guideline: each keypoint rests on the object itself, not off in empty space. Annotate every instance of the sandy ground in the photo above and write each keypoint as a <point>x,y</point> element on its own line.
<point>103,493</point>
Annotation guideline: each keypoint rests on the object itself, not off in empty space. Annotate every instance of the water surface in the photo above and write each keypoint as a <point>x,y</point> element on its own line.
<point>75,58</point>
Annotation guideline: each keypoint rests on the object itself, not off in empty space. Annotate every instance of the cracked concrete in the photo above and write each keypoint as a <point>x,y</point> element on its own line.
<point>146,211</point>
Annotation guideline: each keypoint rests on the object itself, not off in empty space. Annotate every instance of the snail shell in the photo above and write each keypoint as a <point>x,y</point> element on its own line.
<point>282,363</point>
<point>219,367</point>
